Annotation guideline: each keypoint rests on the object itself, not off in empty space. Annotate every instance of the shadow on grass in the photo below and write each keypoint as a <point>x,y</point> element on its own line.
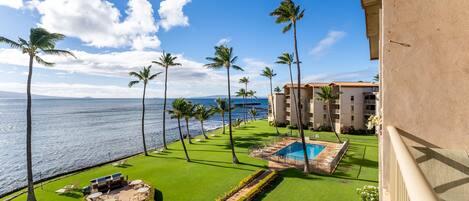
<point>75,195</point>
<point>158,195</point>
<point>123,166</point>
<point>268,189</point>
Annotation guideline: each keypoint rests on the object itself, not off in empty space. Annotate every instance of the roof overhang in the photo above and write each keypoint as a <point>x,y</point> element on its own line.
<point>371,8</point>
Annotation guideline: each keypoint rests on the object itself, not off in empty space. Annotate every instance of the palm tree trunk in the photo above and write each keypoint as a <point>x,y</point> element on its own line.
<point>164,107</point>
<point>330,121</point>
<point>188,132</point>
<point>294,95</point>
<point>223,122</point>
<point>244,99</point>
<point>273,107</point>
<point>182,140</point>
<point>143,120</point>
<point>203,131</point>
<point>244,108</point>
<point>300,122</point>
<point>235,159</point>
<point>29,163</point>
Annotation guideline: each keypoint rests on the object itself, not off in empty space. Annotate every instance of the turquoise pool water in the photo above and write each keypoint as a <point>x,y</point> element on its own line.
<point>295,151</point>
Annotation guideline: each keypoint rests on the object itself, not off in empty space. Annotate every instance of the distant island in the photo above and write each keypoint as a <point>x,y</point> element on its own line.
<point>16,95</point>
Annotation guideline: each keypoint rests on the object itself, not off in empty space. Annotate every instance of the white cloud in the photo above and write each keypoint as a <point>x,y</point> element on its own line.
<point>223,41</point>
<point>190,79</point>
<point>98,23</point>
<point>359,75</point>
<point>332,38</point>
<point>171,14</point>
<point>16,4</point>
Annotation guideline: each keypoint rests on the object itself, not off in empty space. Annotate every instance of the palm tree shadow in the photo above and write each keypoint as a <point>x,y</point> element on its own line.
<point>158,195</point>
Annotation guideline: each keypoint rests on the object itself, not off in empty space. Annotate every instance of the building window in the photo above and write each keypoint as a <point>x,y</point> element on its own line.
<point>325,116</point>
<point>353,118</point>
<point>352,108</point>
<point>352,98</point>
<point>324,107</point>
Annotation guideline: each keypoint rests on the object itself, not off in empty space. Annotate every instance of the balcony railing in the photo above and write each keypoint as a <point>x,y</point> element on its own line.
<point>407,182</point>
<point>370,102</point>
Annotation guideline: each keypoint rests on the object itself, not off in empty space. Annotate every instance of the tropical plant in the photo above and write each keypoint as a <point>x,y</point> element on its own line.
<point>253,113</point>
<point>224,58</point>
<point>203,113</point>
<point>237,123</point>
<point>177,112</point>
<point>41,42</point>
<point>327,96</point>
<point>221,107</point>
<point>188,113</point>
<point>269,73</point>
<point>245,81</point>
<point>287,59</point>
<point>166,61</point>
<point>368,193</point>
<point>143,76</point>
<point>243,93</point>
<point>376,78</point>
<point>277,89</point>
<point>251,94</point>
<point>288,12</point>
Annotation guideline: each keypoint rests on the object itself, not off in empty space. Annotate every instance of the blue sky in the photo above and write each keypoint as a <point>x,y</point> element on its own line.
<point>113,37</point>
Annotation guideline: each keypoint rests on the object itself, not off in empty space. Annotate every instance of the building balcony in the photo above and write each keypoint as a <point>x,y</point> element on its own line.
<point>288,101</point>
<point>336,111</point>
<point>369,112</point>
<point>370,102</point>
<point>407,181</point>
<point>288,109</point>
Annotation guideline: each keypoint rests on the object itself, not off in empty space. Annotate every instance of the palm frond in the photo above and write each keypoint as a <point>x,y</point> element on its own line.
<point>237,68</point>
<point>132,83</point>
<point>41,61</point>
<point>154,75</point>
<point>10,43</point>
<point>59,52</point>
<point>137,75</point>
<point>287,28</point>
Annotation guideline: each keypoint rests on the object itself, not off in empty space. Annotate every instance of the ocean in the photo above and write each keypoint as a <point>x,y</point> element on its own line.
<point>70,134</point>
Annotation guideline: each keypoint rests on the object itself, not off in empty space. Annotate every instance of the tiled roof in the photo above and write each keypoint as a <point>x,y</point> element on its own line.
<point>355,84</point>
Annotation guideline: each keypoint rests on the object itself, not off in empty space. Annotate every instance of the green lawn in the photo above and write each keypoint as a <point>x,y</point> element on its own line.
<point>211,173</point>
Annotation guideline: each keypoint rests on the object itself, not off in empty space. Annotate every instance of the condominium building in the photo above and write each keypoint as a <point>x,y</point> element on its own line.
<point>423,52</point>
<point>356,102</point>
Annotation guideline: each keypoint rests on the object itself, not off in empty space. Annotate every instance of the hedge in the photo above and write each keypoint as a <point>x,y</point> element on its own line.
<point>259,186</point>
<point>241,185</point>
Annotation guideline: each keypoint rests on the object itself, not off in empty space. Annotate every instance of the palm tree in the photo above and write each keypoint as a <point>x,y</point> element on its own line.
<point>165,61</point>
<point>252,95</point>
<point>203,113</point>
<point>237,122</point>
<point>40,42</point>
<point>179,105</point>
<point>188,113</point>
<point>143,76</point>
<point>290,13</point>
<point>326,95</point>
<point>221,108</point>
<point>224,58</point>
<point>269,73</point>
<point>376,77</point>
<point>287,59</point>
<point>243,93</point>
<point>253,113</point>
<point>245,81</point>
<point>277,89</point>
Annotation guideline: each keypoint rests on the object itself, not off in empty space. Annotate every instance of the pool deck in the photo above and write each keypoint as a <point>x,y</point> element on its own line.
<point>324,163</point>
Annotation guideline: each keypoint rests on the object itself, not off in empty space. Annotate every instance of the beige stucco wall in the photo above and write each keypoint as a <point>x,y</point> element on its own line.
<point>279,103</point>
<point>425,73</point>
<point>346,112</point>
<point>305,96</point>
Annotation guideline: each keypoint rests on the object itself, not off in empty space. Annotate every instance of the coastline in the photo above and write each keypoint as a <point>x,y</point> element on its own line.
<point>21,190</point>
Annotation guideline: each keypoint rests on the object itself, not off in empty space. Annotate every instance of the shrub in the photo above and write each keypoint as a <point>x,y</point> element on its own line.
<point>292,127</point>
<point>325,128</point>
<point>241,185</point>
<point>347,130</point>
<point>368,193</point>
<point>260,186</point>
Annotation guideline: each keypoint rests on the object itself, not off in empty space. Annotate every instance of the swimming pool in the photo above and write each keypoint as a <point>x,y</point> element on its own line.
<point>295,151</point>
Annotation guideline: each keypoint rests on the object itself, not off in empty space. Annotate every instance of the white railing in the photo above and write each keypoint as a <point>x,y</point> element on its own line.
<point>407,182</point>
